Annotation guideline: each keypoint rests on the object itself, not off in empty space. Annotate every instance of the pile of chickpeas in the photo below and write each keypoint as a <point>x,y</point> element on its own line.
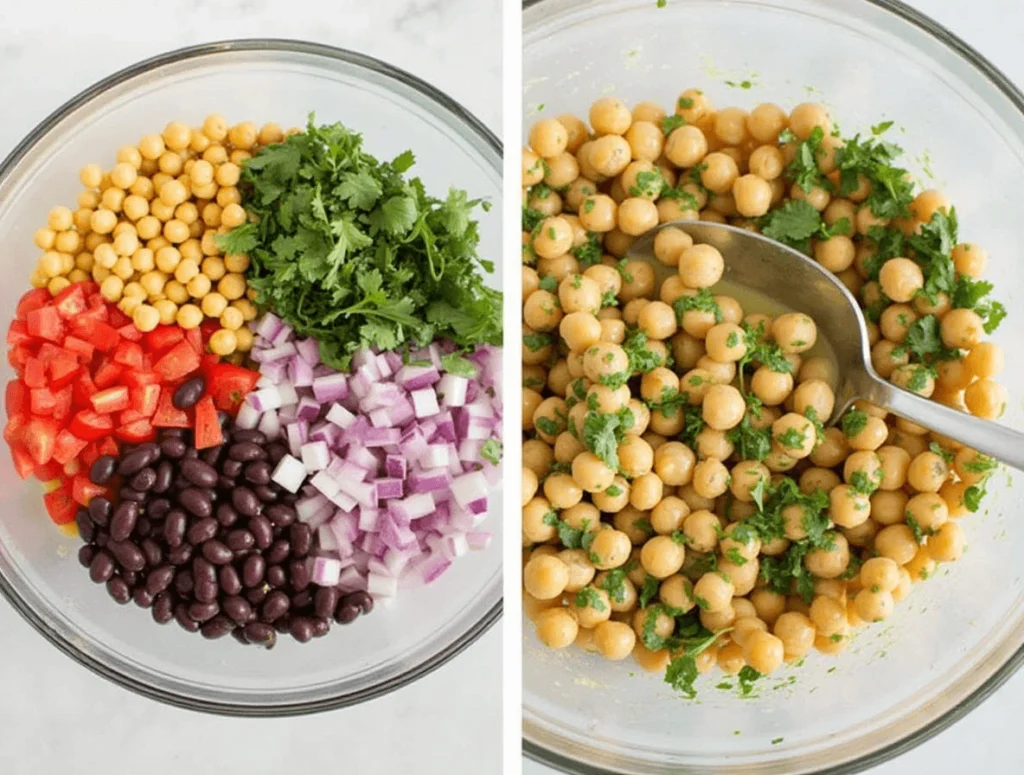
<point>144,230</point>
<point>672,506</point>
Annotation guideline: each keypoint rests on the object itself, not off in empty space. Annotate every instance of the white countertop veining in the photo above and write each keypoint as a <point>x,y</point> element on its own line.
<point>56,716</point>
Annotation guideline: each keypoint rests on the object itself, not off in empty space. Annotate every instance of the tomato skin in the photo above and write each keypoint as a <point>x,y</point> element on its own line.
<point>167,415</point>
<point>48,472</point>
<point>107,374</point>
<point>15,427</point>
<point>178,363</point>
<point>107,446</point>
<point>83,490</point>
<point>16,398</point>
<point>207,431</point>
<point>32,300</point>
<point>136,432</point>
<point>99,334</point>
<point>18,333</point>
<point>90,425</point>
<point>230,384</point>
<point>39,437</point>
<point>137,379</point>
<point>45,323</point>
<point>80,348</point>
<point>24,465</point>
<point>34,373</point>
<point>130,332</point>
<point>128,354</point>
<point>64,368</point>
<point>67,447</point>
<point>163,338</point>
<point>60,505</point>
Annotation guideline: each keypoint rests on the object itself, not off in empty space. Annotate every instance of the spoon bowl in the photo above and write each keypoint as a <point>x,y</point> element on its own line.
<point>767,267</point>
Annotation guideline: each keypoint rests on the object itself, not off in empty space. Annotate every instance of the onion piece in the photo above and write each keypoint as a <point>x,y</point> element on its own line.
<point>289,473</point>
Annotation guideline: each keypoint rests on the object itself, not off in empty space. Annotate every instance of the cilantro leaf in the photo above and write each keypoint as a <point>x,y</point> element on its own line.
<point>490,450</point>
<point>853,422</point>
<point>588,597</point>
<point>671,123</point>
<point>793,224</point>
<point>603,432</point>
<point>648,590</point>
<point>641,359</point>
<point>702,301</point>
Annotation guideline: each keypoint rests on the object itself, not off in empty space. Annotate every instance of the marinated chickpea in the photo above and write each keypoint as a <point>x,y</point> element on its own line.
<point>556,628</point>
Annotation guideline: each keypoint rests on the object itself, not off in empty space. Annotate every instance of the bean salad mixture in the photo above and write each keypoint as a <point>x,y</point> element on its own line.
<point>683,503</point>
<point>258,375</point>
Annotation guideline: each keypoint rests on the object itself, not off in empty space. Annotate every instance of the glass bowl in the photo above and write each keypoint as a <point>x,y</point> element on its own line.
<point>259,80</point>
<point>958,636</point>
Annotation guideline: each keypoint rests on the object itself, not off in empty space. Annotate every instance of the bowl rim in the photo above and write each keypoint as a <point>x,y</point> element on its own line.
<point>233,46</point>
<point>998,78</point>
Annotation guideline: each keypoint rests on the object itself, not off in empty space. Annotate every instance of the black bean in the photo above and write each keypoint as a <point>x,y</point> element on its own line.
<point>301,629</point>
<point>163,608</point>
<point>196,501</point>
<point>302,599</point>
<point>361,599</point>
<point>205,591</point>
<point>346,613</point>
<point>217,627</point>
<point>153,551</point>
<point>128,555</point>
<point>187,623</point>
<point>158,507</point>
<point>100,510</point>
<point>239,634</point>
<point>321,626</point>
<point>247,434</point>
<point>217,552</point>
<point>253,569</point>
<point>159,579</point>
<point>261,634</point>
<point>264,493</point>
<point>174,527</point>
<point>275,452</point>
<point>183,582</point>
<point>226,515</point>
<point>199,473</point>
<point>257,472</point>
<point>191,454</point>
<point>239,540</point>
<point>101,540</point>
<point>164,477</point>
<point>138,459</point>
<point>202,531</point>
<point>284,624</point>
<point>276,576</point>
<point>256,596</point>
<point>212,455</point>
<point>172,433</point>
<point>245,501</point>
<point>102,469</point>
<point>203,611</point>
<point>298,574</point>
<point>262,531</point>
<point>85,555</point>
<point>143,527</point>
<point>225,483</point>
<point>188,393</point>
<point>144,480</point>
<point>142,597</point>
<point>275,606</point>
<point>301,538</point>
<point>246,451</point>
<point>173,447</point>
<point>180,554</point>
<point>280,515</point>
<point>128,494</point>
<point>86,527</point>
<point>230,583</point>
<point>278,552</point>
<point>288,498</point>
<point>231,468</point>
<point>237,608</point>
<point>203,570</point>
<point>118,590</point>
<point>325,600</point>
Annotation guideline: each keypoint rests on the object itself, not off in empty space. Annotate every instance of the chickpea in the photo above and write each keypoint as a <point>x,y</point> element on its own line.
<point>701,266</point>
<point>829,563</point>
<point>713,592</point>
<point>771,387</point>
<point>948,543</point>
<point>896,542</point>
<point>614,640</point>
<point>723,407</point>
<point>764,652</point>
<point>710,478</point>
<point>985,398</point>
<point>795,434</point>
<point>794,332</point>
<point>610,549</point>
<point>556,628</point>
<point>874,606</point>
<point>719,173</point>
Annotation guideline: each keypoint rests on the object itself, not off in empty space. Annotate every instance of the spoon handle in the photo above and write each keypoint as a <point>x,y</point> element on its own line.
<point>985,436</point>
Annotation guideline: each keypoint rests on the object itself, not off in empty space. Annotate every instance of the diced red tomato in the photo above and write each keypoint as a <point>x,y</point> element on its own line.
<point>24,465</point>
<point>207,431</point>
<point>180,361</point>
<point>208,328</point>
<point>16,398</point>
<point>163,338</point>
<point>72,467</point>
<point>107,446</point>
<point>18,333</point>
<point>63,370</point>
<point>128,354</point>
<point>90,454</point>
<point>84,387</point>
<point>79,347</point>
<point>19,356</point>
<point>48,351</point>
<point>15,427</point>
<point>229,385</point>
<point>39,437</point>
<point>67,447</point>
<point>136,379</point>
<point>45,323</point>
<point>48,472</point>
<point>136,432</point>
<point>83,490</point>
<point>167,415</point>
<point>60,505</point>
<point>117,318</point>
<point>100,335</point>
<point>34,299</point>
<point>42,401</point>
<point>195,337</point>
<point>130,332</point>
<point>35,373</point>
<point>107,374</point>
<point>70,302</point>
<point>144,399</point>
<point>90,425</point>
<point>128,416</point>
<point>64,401</point>
<point>111,400</point>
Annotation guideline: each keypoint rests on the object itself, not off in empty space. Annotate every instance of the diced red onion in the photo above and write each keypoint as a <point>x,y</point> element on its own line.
<point>332,388</point>
<point>265,399</point>
<point>363,356</point>
<point>412,507</point>
<point>435,568</point>
<point>326,542</point>
<point>444,427</point>
<point>384,586</point>
<point>286,414</point>
<point>352,580</point>
<point>248,417</point>
<point>325,432</point>
<point>326,484</point>
<point>384,366</point>
<point>361,457</point>
<point>346,469</point>
<point>289,473</point>
<point>283,335</point>
<point>363,492</point>
<point>269,425</point>
<point>273,373</point>
<point>417,377</point>
<point>469,488</point>
<point>451,390</point>
<point>389,488</point>
<point>456,545</point>
<point>276,353</point>
<point>308,409</point>
<point>294,437</point>
<point>340,416</point>
<point>269,326</point>
<point>434,456</point>
<point>379,437</point>
<point>396,466</point>
<point>326,571</point>
<point>307,507</point>
<point>413,442</point>
<point>424,401</point>
<point>300,373</point>
<point>308,351</point>
<point>369,519</point>
<point>430,480</point>
<point>478,541</point>
<point>315,456</point>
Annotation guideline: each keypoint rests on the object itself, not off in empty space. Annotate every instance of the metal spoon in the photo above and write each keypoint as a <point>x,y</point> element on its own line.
<point>801,284</point>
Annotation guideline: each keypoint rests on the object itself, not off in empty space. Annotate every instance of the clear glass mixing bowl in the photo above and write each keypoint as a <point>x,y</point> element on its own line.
<point>958,636</point>
<point>259,80</point>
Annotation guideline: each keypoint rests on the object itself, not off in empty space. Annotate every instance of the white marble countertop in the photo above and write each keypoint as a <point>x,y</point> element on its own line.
<point>56,716</point>
<point>987,740</point>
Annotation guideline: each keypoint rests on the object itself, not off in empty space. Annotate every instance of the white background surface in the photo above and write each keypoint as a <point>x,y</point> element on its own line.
<point>56,717</point>
<point>989,740</point>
